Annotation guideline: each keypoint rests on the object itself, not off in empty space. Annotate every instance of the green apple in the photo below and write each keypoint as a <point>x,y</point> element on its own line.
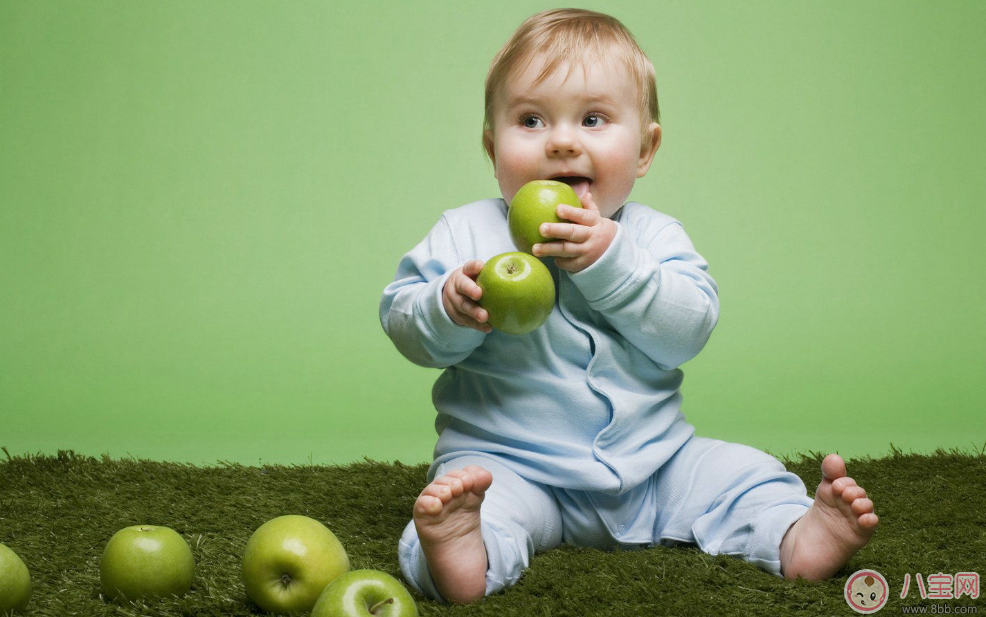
<point>146,561</point>
<point>518,292</point>
<point>535,203</point>
<point>15,582</point>
<point>362,593</point>
<point>288,561</point>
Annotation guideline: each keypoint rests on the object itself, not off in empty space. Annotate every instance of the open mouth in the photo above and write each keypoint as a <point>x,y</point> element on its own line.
<point>580,184</point>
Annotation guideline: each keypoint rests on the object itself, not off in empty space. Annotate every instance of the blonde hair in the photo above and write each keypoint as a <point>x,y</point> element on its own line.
<point>574,36</point>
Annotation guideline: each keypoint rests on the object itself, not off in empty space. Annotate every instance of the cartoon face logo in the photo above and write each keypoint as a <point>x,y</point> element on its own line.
<point>866,591</point>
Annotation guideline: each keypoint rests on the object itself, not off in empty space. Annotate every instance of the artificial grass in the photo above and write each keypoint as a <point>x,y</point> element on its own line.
<point>58,512</point>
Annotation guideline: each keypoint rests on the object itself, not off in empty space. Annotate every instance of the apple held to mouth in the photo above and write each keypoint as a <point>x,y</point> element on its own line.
<point>15,582</point>
<point>518,292</point>
<point>362,593</point>
<point>288,562</point>
<point>535,203</point>
<point>146,561</point>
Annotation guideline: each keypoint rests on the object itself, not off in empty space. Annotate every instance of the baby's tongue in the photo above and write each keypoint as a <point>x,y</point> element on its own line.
<point>579,185</point>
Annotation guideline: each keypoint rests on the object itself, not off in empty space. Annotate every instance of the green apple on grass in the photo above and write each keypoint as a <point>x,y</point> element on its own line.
<point>288,562</point>
<point>518,292</point>
<point>146,561</point>
<point>15,582</point>
<point>535,203</point>
<point>362,593</point>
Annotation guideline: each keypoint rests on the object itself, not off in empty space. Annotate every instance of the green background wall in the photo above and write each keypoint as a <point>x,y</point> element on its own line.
<point>200,203</point>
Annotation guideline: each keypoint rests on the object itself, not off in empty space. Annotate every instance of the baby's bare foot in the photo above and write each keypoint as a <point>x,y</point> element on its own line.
<point>446,516</point>
<point>838,524</point>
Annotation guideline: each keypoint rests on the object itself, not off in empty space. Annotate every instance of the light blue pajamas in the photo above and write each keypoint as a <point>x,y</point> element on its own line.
<point>579,421</point>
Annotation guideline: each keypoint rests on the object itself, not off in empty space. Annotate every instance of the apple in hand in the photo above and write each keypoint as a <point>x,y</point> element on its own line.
<point>535,203</point>
<point>518,292</point>
<point>288,561</point>
<point>362,593</point>
<point>146,561</point>
<point>15,582</point>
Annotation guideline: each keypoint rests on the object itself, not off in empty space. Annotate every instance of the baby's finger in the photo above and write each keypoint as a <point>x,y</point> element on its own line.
<point>472,268</point>
<point>572,264</point>
<point>467,287</point>
<point>469,322</point>
<point>582,216</point>
<point>454,306</point>
<point>474,311</point>
<point>565,231</point>
<point>557,249</point>
<point>589,203</point>
<point>467,313</point>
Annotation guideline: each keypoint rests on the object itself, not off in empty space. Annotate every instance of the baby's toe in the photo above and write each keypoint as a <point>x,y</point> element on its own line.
<point>439,491</point>
<point>428,505</point>
<point>464,477</point>
<point>481,478</point>
<point>833,467</point>
<point>868,521</point>
<point>853,493</point>
<point>841,484</point>
<point>453,483</point>
<point>862,506</point>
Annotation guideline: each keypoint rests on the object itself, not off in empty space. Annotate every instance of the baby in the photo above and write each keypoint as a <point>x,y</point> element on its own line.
<point>574,433</point>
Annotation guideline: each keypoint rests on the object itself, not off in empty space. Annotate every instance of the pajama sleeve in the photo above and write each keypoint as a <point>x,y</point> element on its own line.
<point>411,310</point>
<point>656,292</point>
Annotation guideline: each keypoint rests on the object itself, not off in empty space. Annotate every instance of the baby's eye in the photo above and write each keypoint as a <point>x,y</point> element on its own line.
<point>530,122</point>
<point>593,120</point>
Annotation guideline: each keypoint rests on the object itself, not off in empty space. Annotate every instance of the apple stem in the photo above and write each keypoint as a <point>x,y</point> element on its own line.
<point>373,609</point>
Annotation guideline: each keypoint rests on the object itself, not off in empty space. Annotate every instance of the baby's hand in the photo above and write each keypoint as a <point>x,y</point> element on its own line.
<point>583,241</point>
<point>460,294</point>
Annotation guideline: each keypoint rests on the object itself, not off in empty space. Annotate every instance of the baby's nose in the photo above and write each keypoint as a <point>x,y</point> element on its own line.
<point>563,142</point>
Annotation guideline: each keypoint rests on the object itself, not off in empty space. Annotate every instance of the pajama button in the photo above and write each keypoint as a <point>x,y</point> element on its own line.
<point>622,529</point>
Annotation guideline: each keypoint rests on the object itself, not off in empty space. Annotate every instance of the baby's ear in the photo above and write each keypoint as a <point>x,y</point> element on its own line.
<point>488,146</point>
<point>648,148</point>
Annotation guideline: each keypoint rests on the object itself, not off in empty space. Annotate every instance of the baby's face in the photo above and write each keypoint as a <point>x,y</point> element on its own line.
<point>573,124</point>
